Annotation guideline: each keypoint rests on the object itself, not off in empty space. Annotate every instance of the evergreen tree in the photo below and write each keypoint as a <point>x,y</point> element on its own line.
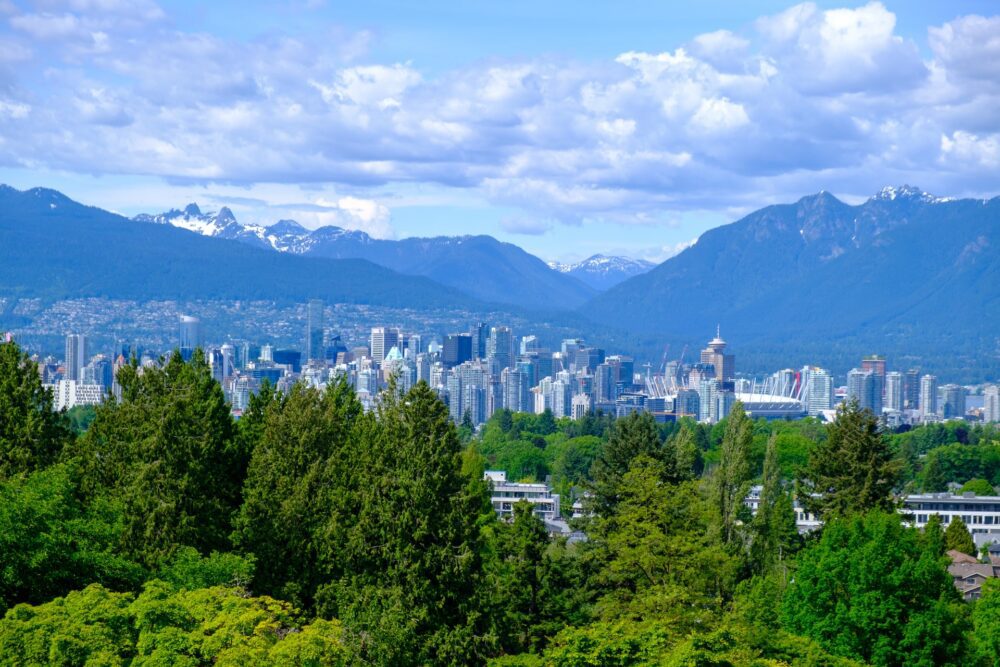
<point>167,452</point>
<point>731,479</point>
<point>775,535</point>
<point>957,537</point>
<point>934,535</point>
<point>32,434</point>
<point>522,545</point>
<point>854,470</point>
<point>934,480</point>
<point>412,559</point>
<point>630,437</point>
<point>299,486</point>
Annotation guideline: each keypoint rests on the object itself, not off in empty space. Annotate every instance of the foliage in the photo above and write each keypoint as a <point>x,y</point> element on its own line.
<point>775,536</point>
<point>870,590</point>
<point>167,453</point>
<point>51,542</point>
<point>980,487</point>
<point>986,624</point>
<point>730,481</point>
<point>81,417</point>
<point>854,470</point>
<point>163,626</point>
<point>32,434</point>
<point>957,537</point>
<point>957,462</point>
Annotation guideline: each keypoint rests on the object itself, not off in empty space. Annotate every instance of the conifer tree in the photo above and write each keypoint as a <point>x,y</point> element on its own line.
<point>630,437</point>
<point>854,470</point>
<point>957,537</point>
<point>32,434</point>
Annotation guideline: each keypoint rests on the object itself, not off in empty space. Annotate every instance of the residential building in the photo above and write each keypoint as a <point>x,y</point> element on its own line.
<point>315,345</point>
<point>952,401</point>
<point>504,495</point>
<point>928,396</point>
<point>894,385</point>
<point>991,404</point>
<point>76,356</point>
<point>817,394</point>
<point>457,349</point>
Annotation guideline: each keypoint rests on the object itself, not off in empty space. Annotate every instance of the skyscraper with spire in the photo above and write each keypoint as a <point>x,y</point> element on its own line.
<point>715,354</point>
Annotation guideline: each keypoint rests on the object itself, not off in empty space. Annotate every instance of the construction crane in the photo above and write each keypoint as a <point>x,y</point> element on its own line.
<point>663,362</point>
<point>683,354</point>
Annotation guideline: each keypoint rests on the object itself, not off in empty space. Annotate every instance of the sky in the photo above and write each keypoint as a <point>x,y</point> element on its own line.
<point>567,128</point>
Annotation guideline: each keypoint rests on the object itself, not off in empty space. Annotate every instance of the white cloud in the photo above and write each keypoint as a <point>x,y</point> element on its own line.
<point>799,101</point>
<point>349,212</point>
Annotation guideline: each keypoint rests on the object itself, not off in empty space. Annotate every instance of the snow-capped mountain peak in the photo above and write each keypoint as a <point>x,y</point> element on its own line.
<point>907,193</point>
<point>603,271</point>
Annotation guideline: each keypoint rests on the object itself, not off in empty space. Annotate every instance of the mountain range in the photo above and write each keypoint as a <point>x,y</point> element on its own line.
<point>904,272</point>
<point>55,248</point>
<point>819,281</point>
<point>480,266</point>
<point>602,271</point>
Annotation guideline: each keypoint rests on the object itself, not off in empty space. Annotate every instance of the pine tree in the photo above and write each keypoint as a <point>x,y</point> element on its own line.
<point>854,470</point>
<point>32,434</point>
<point>934,535</point>
<point>957,537</point>
<point>731,479</point>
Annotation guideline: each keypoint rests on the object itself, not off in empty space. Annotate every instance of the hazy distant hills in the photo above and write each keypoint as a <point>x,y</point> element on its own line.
<point>603,271</point>
<point>902,269</point>
<point>54,247</point>
<point>480,266</point>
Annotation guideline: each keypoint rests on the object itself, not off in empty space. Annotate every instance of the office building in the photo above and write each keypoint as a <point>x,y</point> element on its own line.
<point>530,344</point>
<point>581,405</point>
<point>588,358</point>
<point>480,334</point>
<point>381,340</point>
<point>894,385</point>
<point>98,372</point>
<point>708,388</point>
<point>928,396</point>
<point>315,344</point>
<point>952,401</point>
<point>991,404</point>
<point>911,400</point>
<point>876,365</point>
<point>76,356</point>
<point>500,349</point>
<point>454,385</point>
<point>190,336</point>
<point>457,349</point>
<point>516,393</point>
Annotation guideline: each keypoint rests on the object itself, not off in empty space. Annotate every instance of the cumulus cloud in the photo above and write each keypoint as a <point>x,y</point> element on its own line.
<point>798,101</point>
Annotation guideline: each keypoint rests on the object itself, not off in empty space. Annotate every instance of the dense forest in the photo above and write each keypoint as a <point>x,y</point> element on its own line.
<point>156,530</point>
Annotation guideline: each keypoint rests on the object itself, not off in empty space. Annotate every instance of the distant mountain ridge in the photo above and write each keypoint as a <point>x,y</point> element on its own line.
<point>53,247</point>
<point>480,266</point>
<point>903,270</point>
<point>603,271</point>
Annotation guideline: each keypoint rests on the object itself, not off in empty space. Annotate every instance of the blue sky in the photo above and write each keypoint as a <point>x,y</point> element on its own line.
<point>568,128</point>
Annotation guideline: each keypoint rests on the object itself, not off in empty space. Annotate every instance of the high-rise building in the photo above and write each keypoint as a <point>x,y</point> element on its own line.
<point>715,354</point>
<point>991,404</point>
<point>876,365</point>
<point>861,387</point>
<point>588,358</point>
<point>911,400</point>
<point>480,334</point>
<point>894,385</point>
<point>928,396</point>
<point>562,398</point>
<point>455,411</point>
<point>515,389</point>
<point>457,350</point>
<point>228,360</point>
<point>76,356</point>
<point>708,389</point>
<point>817,390</point>
<point>581,405</point>
<point>500,348</point>
<point>382,340</point>
<point>952,401</point>
<point>530,344</point>
<point>315,345</point>
<point>99,371</point>
<point>604,383</point>
<point>190,336</point>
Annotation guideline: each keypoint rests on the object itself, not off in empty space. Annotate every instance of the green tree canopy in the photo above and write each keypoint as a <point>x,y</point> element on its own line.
<point>32,434</point>
<point>957,537</point>
<point>871,590</point>
<point>978,486</point>
<point>854,470</point>
<point>167,452</point>
<point>730,480</point>
<point>630,437</point>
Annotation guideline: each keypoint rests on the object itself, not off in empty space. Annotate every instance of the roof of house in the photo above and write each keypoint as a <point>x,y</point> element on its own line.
<point>960,557</point>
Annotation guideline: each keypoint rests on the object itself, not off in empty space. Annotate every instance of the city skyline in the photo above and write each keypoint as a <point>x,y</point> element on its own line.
<point>620,144</point>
